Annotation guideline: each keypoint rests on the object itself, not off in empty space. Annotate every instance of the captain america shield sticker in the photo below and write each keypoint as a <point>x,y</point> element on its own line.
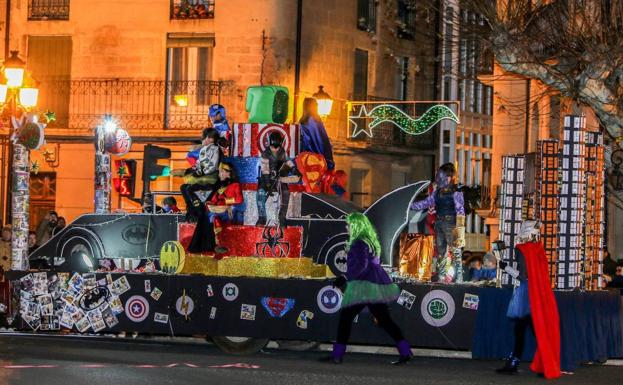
<point>137,308</point>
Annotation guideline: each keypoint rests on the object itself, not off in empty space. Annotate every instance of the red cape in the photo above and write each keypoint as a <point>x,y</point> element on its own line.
<point>544,311</point>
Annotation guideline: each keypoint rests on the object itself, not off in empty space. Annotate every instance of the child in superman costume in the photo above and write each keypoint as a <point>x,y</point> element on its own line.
<point>533,305</point>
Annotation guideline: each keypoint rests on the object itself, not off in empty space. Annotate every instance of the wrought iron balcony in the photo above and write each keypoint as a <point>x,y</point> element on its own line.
<point>192,9</point>
<point>141,104</point>
<point>48,9</point>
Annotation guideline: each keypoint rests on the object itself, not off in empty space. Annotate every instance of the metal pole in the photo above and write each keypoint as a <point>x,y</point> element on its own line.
<point>20,196</point>
<point>102,174</point>
<point>297,60</point>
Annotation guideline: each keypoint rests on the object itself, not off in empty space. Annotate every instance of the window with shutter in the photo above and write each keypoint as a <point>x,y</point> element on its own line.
<point>366,15</point>
<point>360,85</point>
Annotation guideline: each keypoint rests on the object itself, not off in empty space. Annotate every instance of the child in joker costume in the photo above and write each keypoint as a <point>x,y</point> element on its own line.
<point>449,224</point>
<point>366,284</point>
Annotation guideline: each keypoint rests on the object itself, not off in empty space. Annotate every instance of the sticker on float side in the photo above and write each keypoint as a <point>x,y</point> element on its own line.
<point>303,319</point>
<point>277,307</point>
<point>329,299</point>
<point>230,292</point>
<point>470,301</point>
<point>137,308</point>
<point>437,308</point>
<point>247,312</point>
<point>161,318</point>
<point>184,305</point>
<point>406,299</point>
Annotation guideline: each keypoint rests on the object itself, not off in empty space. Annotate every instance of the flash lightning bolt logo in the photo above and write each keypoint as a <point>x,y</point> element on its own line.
<point>184,305</point>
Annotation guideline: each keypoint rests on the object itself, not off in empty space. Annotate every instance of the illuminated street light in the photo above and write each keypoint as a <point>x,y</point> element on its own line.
<point>28,96</point>
<point>110,125</point>
<point>14,70</point>
<point>18,95</point>
<point>325,103</point>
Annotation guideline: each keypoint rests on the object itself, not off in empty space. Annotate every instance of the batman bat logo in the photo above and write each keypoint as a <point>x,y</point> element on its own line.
<point>94,298</point>
<point>340,261</point>
<point>390,214</point>
<point>137,234</point>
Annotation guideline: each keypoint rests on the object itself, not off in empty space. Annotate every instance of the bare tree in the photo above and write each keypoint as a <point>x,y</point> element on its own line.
<point>572,46</point>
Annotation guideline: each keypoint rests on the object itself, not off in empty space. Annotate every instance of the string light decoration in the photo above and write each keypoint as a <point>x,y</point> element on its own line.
<point>392,114</point>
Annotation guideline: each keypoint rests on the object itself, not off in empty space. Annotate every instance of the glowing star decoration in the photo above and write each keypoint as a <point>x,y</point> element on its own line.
<point>361,115</point>
<point>49,116</point>
<point>392,114</point>
<point>35,167</point>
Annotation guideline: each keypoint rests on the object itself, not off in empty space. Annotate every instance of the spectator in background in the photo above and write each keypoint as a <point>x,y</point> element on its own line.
<point>488,269</point>
<point>5,248</point>
<point>610,264</point>
<point>32,241</point>
<point>60,225</point>
<point>46,227</point>
<point>474,265</point>
<point>169,205</point>
<point>615,280</point>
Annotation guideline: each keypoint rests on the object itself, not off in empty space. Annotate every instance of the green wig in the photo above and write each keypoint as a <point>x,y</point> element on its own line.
<point>362,229</point>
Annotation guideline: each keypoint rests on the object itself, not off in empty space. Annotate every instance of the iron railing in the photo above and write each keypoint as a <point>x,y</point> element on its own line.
<point>48,9</point>
<point>144,104</point>
<point>192,9</point>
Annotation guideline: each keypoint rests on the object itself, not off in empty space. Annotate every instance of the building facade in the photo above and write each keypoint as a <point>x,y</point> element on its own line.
<point>157,66</point>
<point>468,145</point>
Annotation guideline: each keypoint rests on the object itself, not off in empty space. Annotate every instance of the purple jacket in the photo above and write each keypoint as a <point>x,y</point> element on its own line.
<point>429,202</point>
<point>363,265</point>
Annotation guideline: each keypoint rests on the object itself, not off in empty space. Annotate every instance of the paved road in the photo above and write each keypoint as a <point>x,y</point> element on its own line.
<point>65,361</point>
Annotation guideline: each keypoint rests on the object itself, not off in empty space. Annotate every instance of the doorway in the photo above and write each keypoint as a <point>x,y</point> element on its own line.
<point>42,196</point>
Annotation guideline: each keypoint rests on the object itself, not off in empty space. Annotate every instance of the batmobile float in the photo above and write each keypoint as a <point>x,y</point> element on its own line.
<point>319,221</point>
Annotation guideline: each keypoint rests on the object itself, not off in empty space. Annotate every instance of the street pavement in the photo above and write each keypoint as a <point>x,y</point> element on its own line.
<point>71,361</point>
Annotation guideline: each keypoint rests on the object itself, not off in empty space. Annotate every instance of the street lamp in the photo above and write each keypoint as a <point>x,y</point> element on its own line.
<point>17,97</point>
<point>325,103</point>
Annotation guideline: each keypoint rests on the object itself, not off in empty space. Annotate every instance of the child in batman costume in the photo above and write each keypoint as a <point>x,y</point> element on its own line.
<point>366,284</point>
<point>274,166</point>
<point>533,306</point>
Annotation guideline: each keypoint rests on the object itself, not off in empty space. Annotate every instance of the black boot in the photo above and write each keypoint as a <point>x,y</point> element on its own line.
<point>261,221</point>
<point>510,366</point>
<point>405,352</point>
<point>402,360</point>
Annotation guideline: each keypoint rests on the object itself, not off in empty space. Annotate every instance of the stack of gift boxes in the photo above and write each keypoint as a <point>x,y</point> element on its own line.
<point>245,243</point>
<point>546,201</point>
<point>569,201</point>
<point>594,213</point>
<point>511,203</point>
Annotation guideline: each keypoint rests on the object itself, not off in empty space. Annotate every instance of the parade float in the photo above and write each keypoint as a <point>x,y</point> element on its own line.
<point>275,282</point>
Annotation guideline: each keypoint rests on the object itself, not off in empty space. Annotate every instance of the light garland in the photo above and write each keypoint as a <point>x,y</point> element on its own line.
<point>390,113</point>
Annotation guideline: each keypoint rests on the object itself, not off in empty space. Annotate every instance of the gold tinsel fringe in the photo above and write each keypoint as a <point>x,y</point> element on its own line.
<point>255,267</point>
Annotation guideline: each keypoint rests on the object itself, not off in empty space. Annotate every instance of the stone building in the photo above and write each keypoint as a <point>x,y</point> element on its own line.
<point>156,66</point>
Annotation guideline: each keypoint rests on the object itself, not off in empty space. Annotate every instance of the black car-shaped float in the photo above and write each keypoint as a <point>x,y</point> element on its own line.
<point>132,237</point>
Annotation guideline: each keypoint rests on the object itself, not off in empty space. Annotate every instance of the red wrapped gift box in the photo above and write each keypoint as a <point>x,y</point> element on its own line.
<point>248,241</point>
